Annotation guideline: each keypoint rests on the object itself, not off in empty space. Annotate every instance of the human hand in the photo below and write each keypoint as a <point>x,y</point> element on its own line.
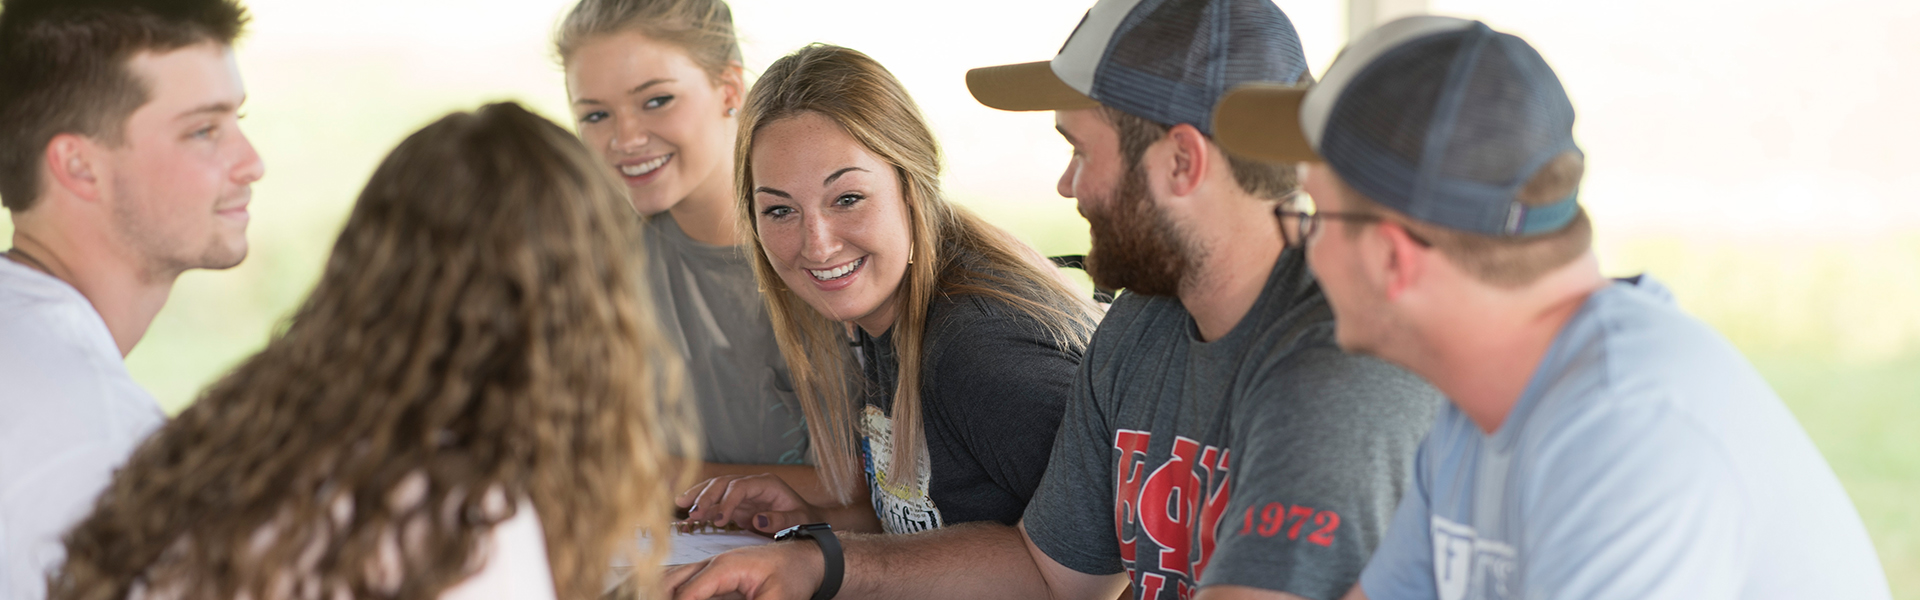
<point>789,570</point>
<point>762,503</point>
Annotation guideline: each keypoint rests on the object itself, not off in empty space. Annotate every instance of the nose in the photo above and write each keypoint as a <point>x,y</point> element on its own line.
<point>1065,185</point>
<point>821,242</point>
<point>629,135</point>
<point>250,168</point>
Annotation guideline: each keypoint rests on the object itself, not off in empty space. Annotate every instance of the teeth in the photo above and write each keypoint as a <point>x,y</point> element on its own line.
<point>645,167</point>
<point>831,274</point>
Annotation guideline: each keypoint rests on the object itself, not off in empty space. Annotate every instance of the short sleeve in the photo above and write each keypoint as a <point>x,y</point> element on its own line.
<point>1402,567</point>
<point>1659,515</point>
<point>1002,383</point>
<point>1323,448</point>
<point>1071,517</point>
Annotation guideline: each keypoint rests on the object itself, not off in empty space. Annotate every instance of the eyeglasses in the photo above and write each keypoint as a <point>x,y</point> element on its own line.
<point>1310,224</point>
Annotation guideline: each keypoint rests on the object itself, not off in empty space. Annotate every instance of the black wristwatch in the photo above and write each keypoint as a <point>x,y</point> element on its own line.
<point>820,533</point>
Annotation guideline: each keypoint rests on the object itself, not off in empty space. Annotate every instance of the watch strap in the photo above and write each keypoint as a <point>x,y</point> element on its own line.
<point>822,534</point>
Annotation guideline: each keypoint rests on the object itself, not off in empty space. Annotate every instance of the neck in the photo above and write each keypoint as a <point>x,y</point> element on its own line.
<point>1239,244</point>
<point>706,215</point>
<point>1484,350</point>
<point>126,294</point>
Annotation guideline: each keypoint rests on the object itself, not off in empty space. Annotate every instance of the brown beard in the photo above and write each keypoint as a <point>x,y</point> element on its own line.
<point>1135,246</point>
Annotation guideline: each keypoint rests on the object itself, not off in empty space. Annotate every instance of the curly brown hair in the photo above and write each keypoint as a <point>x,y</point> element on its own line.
<point>479,326</point>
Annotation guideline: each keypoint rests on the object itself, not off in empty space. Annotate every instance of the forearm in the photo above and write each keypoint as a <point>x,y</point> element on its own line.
<point>852,518</point>
<point>974,560</point>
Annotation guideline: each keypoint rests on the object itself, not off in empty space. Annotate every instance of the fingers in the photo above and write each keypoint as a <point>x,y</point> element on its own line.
<point>679,575</point>
<point>748,496</point>
<point>702,500</point>
<point>772,572</point>
<point>774,521</point>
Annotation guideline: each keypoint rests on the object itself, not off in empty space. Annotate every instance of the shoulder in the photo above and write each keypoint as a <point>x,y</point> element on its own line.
<point>979,332</point>
<point>66,388</point>
<point>1133,322</point>
<point>1631,353</point>
<point>515,562</point>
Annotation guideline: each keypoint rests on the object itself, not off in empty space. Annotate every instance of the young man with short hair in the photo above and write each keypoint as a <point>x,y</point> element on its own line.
<point>123,164</point>
<point>1217,444</point>
<point>1600,442</point>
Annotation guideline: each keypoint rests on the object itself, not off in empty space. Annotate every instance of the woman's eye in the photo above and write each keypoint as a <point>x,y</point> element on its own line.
<point>776,211</point>
<point>594,117</point>
<point>847,199</point>
<point>203,132</point>
<point>657,101</point>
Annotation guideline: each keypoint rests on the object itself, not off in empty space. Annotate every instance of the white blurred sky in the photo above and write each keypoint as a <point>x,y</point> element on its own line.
<point>1742,118</point>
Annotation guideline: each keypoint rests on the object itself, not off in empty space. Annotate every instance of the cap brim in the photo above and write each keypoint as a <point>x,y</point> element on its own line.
<point>1262,121</point>
<point>1025,86</point>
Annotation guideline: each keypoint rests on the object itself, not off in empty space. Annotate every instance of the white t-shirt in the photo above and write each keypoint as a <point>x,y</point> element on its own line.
<point>513,560</point>
<point>69,415</point>
<point>516,563</point>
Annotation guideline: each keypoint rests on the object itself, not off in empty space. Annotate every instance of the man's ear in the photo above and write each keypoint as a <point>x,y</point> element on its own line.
<point>1407,260</point>
<point>1189,159</point>
<point>72,162</point>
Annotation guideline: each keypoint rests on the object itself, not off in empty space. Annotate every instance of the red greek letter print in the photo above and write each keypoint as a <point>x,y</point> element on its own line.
<point>1166,506</point>
<point>1178,504</point>
<point>1151,584</point>
<point>1132,447</point>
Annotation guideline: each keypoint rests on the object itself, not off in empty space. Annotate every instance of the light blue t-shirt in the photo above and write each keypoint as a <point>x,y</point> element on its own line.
<point>1646,459</point>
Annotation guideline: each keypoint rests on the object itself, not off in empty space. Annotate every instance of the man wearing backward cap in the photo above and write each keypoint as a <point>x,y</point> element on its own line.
<point>1600,442</point>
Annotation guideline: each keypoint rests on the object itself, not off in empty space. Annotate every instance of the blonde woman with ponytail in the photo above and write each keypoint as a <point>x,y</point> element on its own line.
<point>969,345</point>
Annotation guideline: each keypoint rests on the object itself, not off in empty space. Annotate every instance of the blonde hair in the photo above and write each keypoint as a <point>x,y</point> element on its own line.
<point>956,253</point>
<point>701,28</point>
<point>479,326</point>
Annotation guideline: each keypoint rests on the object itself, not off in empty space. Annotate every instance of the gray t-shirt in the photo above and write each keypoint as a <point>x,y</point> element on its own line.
<point>1267,458</point>
<point>712,311</point>
<point>1645,459</point>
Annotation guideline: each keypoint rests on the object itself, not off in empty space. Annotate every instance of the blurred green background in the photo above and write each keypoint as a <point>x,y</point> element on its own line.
<point>1769,184</point>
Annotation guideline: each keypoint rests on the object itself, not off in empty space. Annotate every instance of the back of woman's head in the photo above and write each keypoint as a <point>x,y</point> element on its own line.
<point>480,329</point>
<point>954,252</point>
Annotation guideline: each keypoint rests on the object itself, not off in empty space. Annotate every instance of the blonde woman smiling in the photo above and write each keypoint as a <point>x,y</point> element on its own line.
<point>971,346</point>
<point>655,86</point>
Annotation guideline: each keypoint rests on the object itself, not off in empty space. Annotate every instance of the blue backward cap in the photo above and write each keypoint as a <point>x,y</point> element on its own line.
<point>1439,118</point>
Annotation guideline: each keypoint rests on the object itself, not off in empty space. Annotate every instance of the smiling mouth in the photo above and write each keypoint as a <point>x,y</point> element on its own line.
<point>839,272</point>
<point>644,168</point>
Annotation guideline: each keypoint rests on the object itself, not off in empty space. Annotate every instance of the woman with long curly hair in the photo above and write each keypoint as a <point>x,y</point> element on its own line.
<point>473,400</point>
<point>970,340</point>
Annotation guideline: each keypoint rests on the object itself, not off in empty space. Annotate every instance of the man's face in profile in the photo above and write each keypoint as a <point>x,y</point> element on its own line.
<point>1136,246</point>
<point>179,183</point>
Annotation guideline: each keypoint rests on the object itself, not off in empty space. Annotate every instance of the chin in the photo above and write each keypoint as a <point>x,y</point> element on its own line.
<point>223,256</point>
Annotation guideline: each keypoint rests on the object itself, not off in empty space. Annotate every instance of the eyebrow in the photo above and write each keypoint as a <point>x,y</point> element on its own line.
<point>837,174</point>
<point>767,190</point>
<point>1064,134</point>
<point>211,107</point>
<point>636,89</point>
